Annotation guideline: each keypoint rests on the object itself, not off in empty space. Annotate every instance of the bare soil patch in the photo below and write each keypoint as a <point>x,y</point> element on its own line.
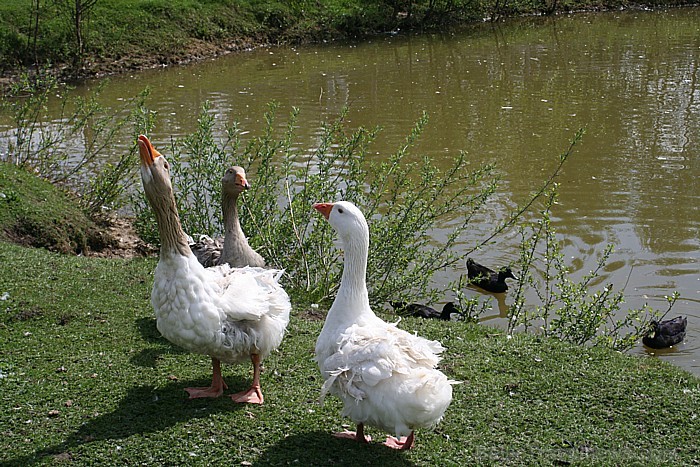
<point>125,242</point>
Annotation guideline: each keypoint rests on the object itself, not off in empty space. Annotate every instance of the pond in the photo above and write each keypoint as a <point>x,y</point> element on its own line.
<point>515,94</point>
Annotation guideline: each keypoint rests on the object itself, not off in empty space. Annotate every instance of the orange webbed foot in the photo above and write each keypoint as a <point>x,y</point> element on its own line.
<point>251,396</point>
<point>353,436</point>
<point>199,393</point>
<point>403,443</point>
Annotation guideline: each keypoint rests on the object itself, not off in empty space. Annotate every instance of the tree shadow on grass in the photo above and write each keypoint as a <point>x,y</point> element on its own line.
<point>144,409</point>
<point>320,448</point>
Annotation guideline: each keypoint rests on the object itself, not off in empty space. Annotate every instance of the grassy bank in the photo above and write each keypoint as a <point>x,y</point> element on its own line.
<point>119,35</point>
<point>35,213</point>
<point>86,379</point>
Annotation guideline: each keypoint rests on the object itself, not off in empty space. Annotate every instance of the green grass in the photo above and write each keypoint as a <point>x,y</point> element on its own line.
<point>121,35</point>
<point>34,212</point>
<point>124,34</point>
<point>86,379</point>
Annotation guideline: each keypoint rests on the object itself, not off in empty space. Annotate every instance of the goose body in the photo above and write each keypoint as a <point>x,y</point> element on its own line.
<point>449,311</point>
<point>666,333</point>
<point>206,249</point>
<point>385,377</point>
<point>487,278</point>
<point>230,314</point>
<point>233,249</point>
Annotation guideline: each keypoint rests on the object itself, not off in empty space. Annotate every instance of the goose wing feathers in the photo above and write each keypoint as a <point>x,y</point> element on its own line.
<point>249,293</point>
<point>387,378</point>
<point>366,356</point>
<point>207,250</point>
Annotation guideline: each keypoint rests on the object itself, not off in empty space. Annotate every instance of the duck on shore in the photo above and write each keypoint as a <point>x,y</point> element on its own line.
<point>449,311</point>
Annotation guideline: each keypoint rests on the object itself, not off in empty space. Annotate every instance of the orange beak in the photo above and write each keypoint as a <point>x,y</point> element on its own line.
<point>240,180</point>
<point>147,152</point>
<point>324,208</point>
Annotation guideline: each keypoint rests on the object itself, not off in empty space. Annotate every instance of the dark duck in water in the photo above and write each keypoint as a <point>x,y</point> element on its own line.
<point>449,311</point>
<point>666,333</point>
<point>487,278</point>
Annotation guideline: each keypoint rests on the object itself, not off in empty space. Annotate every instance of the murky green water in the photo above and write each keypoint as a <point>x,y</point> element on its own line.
<point>515,94</point>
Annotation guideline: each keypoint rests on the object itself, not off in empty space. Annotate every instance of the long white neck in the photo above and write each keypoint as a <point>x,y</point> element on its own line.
<point>352,300</point>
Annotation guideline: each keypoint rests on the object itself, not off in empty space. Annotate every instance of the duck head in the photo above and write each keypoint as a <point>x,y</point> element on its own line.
<point>506,273</point>
<point>450,312</point>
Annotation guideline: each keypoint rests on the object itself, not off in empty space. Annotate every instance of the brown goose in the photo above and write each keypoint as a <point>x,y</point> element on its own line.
<point>233,249</point>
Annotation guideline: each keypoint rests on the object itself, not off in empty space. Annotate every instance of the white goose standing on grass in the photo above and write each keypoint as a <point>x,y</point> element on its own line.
<point>230,314</point>
<point>386,377</point>
<point>233,248</point>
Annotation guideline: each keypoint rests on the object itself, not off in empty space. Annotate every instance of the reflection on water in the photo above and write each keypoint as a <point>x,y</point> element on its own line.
<point>501,305</point>
<point>514,94</point>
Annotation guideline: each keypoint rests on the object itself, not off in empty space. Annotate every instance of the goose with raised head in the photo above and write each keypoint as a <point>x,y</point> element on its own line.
<point>449,311</point>
<point>385,376</point>
<point>666,333</point>
<point>230,314</point>
<point>487,278</point>
<point>233,249</point>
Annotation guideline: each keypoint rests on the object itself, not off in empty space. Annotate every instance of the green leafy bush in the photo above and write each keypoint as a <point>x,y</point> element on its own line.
<point>573,311</point>
<point>402,199</point>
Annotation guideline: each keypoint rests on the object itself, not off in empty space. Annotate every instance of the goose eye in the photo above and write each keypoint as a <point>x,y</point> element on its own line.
<point>166,165</point>
<point>340,210</point>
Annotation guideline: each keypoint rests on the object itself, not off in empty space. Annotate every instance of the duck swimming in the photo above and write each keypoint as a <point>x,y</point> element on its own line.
<point>666,333</point>
<point>487,278</point>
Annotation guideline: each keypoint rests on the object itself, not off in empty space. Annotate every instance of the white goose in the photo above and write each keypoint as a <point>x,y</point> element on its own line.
<point>233,248</point>
<point>386,377</point>
<point>229,314</point>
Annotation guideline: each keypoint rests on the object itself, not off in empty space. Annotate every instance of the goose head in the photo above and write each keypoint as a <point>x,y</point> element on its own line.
<point>347,220</point>
<point>234,181</point>
<point>155,173</point>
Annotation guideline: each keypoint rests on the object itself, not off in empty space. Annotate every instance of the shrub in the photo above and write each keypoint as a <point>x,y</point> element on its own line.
<point>572,311</point>
<point>402,199</point>
<point>72,153</point>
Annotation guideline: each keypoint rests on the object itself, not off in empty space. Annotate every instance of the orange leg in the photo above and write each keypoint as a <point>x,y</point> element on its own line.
<point>254,394</point>
<point>406,442</point>
<point>359,436</point>
<point>217,384</point>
